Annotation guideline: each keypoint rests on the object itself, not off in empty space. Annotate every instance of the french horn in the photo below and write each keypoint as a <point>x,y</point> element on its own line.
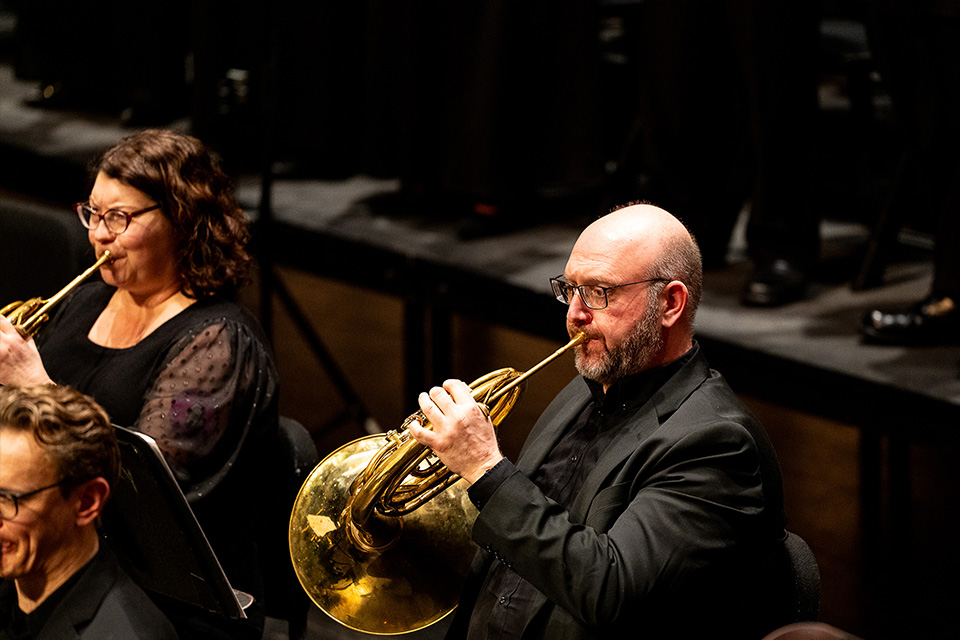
<point>380,530</point>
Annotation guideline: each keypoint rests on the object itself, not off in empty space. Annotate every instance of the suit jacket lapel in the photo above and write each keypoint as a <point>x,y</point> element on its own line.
<point>83,600</point>
<point>60,625</point>
<point>663,403</point>
<point>567,405</point>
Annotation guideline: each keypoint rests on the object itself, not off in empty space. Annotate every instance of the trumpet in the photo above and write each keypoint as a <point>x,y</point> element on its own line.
<point>27,316</point>
<point>380,531</point>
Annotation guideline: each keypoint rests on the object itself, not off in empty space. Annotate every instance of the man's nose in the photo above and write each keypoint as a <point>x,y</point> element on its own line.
<point>579,313</point>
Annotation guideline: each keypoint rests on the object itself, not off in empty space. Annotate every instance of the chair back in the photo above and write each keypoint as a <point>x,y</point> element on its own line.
<point>44,248</point>
<point>805,576</point>
<point>291,461</point>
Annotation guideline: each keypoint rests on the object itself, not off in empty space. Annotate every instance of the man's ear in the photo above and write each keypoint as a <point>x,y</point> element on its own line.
<point>91,496</point>
<point>676,302</point>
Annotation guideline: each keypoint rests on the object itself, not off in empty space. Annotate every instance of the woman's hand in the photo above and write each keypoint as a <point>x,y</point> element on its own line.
<point>462,435</point>
<point>20,361</point>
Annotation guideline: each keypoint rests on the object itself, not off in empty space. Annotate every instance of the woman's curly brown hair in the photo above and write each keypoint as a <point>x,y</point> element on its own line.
<point>195,194</point>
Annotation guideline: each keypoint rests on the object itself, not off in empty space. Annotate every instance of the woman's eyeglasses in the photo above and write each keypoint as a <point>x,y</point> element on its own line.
<point>116,220</point>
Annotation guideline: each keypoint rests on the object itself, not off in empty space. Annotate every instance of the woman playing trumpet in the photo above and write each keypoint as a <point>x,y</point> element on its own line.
<point>160,343</point>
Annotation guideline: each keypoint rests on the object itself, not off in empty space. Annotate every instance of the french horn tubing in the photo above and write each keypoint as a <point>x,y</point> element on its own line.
<point>380,531</point>
<point>28,315</point>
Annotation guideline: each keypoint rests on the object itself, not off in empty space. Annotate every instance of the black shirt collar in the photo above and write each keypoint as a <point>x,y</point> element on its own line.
<point>631,392</point>
<point>20,625</point>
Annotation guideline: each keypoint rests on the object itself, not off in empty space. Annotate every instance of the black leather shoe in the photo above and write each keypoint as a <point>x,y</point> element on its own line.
<point>774,283</point>
<point>935,320</point>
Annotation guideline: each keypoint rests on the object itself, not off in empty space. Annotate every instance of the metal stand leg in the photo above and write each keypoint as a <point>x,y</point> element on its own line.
<point>884,234</point>
<point>426,331</point>
<point>355,409</point>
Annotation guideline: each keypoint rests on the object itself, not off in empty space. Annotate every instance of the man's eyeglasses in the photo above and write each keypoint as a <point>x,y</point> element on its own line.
<point>593,295</point>
<point>117,221</point>
<point>10,501</point>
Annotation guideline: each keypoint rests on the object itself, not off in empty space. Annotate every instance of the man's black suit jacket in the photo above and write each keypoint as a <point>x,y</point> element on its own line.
<point>678,531</point>
<point>105,604</point>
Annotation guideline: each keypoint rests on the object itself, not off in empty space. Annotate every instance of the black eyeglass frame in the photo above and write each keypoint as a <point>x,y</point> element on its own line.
<point>17,497</point>
<point>562,290</point>
<point>87,223</point>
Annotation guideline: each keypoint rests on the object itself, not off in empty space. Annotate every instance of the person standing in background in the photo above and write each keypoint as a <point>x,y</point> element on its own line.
<point>729,100</point>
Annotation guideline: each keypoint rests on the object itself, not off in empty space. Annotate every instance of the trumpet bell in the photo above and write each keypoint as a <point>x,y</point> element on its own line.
<point>406,586</point>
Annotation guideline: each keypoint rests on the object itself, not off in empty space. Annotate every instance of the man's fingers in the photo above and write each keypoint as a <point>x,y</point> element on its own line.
<point>442,398</point>
<point>435,405</point>
<point>421,435</point>
<point>459,391</point>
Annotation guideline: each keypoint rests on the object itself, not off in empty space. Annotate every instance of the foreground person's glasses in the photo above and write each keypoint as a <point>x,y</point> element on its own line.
<point>10,501</point>
<point>593,295</point>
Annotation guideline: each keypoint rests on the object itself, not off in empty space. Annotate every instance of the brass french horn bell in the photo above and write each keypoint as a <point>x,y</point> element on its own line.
<point>28,315</point>
<point>380,531</point>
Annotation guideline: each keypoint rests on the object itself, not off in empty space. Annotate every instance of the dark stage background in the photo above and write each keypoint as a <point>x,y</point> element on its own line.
<point>368,137</point>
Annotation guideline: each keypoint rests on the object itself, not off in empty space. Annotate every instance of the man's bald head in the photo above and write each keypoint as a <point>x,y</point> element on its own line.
<point>646,241</point>
<point>640,227</point>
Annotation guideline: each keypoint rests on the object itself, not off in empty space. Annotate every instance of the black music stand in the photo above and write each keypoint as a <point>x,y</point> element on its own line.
<point>151,528</point>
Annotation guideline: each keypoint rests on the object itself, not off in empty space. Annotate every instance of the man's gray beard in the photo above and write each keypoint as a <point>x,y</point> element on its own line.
<point>631,356</point>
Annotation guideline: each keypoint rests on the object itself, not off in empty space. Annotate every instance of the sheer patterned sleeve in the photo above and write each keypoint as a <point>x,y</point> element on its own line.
<point>213,399</point>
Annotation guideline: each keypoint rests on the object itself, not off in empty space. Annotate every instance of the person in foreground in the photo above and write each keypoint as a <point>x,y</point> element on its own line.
<point>58,460</point>
<point>647,500</point>
<point>160,342</point>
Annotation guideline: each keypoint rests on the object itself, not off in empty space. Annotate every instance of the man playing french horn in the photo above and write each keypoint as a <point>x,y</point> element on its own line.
<point>647,500</point>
